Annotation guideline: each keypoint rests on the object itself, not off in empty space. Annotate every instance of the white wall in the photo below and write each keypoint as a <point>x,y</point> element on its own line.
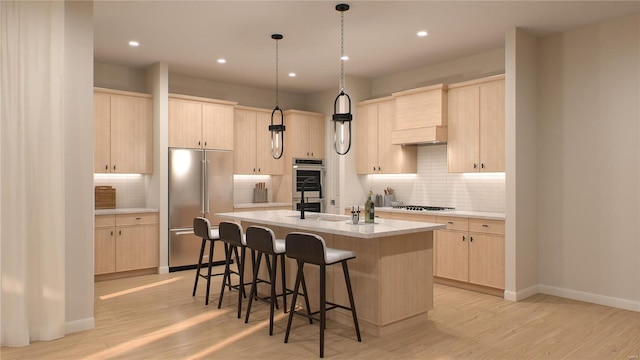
<point>78,105</point>
<point>119,77</point>
<point>589,155</point>
<point>521,238</point>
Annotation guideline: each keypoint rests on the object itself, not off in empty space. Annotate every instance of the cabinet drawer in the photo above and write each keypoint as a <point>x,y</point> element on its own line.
<point>453,223</point>
<point>413,217</point>
<point>487,226</point>
<point>136,219</point>
<point>105,221</point>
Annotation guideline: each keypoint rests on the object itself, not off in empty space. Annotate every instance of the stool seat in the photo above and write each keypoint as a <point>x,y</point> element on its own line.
<point>202,228</point>
<point>214,234</point>
<point>279,246</point>
<point>233,237</point>
<point>332,256</point>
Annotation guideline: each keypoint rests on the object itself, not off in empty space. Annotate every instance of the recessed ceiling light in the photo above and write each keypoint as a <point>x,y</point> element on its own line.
<point>422,33</point>
<point>221,61</point>
<point>292,74</point>
<point>344,57</point>
<point>134,43</point>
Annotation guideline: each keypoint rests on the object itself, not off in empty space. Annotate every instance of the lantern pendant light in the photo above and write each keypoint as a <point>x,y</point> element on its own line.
<point>342,105</point>
<point>277,130</point>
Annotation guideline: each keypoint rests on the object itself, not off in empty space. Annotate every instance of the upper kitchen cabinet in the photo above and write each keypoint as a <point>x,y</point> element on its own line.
<point>375,154</point>
<point>476,126</point>
<point>421,116</point>
<point>304,134</point>
<point>252,142</point>
<point>200,123</point>
<point>123,124</point>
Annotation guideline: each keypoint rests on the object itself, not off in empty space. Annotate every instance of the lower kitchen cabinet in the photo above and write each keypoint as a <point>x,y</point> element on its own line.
<point>126,242</point>
<point>470,251</point>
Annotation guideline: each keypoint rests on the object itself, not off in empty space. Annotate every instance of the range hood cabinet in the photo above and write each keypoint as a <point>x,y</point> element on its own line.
<point>421,116</point>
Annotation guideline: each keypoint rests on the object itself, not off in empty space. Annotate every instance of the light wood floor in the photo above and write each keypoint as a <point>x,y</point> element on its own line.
<point>155,317</point>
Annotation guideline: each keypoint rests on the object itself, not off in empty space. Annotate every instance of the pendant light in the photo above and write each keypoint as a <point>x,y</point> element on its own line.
<point>342,105</point>
<point>277,130</point>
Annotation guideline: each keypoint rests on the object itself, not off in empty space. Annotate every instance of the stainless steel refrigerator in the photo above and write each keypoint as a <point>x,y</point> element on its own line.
<point>200,184</point>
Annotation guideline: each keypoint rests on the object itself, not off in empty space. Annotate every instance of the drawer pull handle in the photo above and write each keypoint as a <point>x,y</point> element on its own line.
<point>464,238</point>
<point>450,222</point>
<point>485,225</point>
<point>471,239</point>
<point>119,232</point>
<point>138,218</point>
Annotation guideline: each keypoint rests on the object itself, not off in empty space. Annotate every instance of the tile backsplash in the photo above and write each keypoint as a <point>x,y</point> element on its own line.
<point>130,188</point>
<point>243,186</point>
<point>433,185</point>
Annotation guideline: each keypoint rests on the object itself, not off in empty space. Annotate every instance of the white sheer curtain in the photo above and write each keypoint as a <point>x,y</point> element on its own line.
<point>32,232</point>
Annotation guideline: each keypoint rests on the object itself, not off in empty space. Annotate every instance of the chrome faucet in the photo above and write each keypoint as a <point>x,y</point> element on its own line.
<point>302,204</point>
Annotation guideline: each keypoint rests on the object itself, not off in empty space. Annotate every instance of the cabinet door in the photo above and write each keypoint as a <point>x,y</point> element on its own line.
<point>451,250</point>
<point>244,154</point>
<point>393,159</point>
<point>486,260</point>
<point>101,132</point>
<point>265,163</point>
<point>185,123</point>
<point>297,136</point>
<point>217,126</point>
<point>464,117</point>
<point>137,247</point>
<point>316,136</point>
<point>366,128</point>
<point>131,134</point>
<point>492,157</point>
<point>105,250</point>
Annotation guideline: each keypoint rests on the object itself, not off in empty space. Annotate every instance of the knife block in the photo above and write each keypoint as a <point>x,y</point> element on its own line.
<point>260,195</point>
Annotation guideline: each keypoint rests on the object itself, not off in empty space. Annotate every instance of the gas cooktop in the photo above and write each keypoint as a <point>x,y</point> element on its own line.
<point>423,208</point>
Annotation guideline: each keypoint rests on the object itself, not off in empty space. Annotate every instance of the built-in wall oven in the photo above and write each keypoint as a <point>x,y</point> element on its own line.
<point>308,177</point>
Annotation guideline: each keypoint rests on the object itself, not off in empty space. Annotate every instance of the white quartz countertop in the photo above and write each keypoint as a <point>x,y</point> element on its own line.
<point>460,213</point>
<point>256,205</point>
<point>331,223</point>
<point>124,211</point>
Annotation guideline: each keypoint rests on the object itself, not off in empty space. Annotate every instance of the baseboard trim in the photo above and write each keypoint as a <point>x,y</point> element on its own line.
<point>163,270</point>
<point>79,325</point>
<point>521,294</point>
<point>591,298</point>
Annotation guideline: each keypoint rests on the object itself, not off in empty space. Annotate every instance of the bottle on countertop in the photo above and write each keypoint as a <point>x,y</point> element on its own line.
<point>369,209</point>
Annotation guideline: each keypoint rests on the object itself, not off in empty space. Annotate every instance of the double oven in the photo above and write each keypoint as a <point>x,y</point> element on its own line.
<point>308,177</point>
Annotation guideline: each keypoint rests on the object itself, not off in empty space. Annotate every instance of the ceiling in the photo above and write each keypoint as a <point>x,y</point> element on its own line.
<point>380,36</point>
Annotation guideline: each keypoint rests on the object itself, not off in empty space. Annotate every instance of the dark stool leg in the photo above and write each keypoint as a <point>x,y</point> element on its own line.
<point>306,299</point>
<point>293,301</point>
<point>347,280</point>
<point>241,292</point>
<point>206,301</point>
<point>272,279</point>
<point>195,284</point>
<point>269,267</point>
<point>254,286</point>
<point>284,281</point>
<point>226,275</point>
<point>323,289</point>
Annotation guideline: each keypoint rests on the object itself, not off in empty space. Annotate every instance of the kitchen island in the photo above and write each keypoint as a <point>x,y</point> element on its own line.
<point>391,274</point>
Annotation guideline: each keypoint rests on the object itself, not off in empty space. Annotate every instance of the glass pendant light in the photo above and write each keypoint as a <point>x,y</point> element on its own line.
<point>277,130</point>
<point>342,105</point>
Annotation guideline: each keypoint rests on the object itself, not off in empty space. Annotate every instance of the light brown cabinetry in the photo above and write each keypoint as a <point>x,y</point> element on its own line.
<point>375,154</point>
<point>200,123</point>
<point>252,143</point>
<point>470,251</point>
<point>123,139</point>
<point>421,115</point>
<point>304,134</point>
<point>126,242</point>
<point>476,126</point>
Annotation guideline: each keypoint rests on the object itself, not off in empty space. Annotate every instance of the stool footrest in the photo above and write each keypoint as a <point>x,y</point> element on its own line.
<point>206,276</point>
<point>331,307</point>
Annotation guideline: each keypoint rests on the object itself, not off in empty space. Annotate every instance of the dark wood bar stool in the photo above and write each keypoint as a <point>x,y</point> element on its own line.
<point>310,248</point>
<point>261,240</point>
<point>231,235</point>
<point>202,228</point>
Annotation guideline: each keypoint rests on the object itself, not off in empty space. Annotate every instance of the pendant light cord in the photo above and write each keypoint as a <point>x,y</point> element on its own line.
<point>341,51</point>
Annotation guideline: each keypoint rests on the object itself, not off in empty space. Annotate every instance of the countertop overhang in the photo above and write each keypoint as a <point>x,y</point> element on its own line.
<point>332,223</point>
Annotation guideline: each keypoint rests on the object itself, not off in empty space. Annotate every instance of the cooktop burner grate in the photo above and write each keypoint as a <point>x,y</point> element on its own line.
<point>422,208</point>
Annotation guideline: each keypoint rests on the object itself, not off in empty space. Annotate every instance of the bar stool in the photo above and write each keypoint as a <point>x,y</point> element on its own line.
<point>311,248</point>
<point>231,235</point>
<point>202,228</point>
<point>263,241</point>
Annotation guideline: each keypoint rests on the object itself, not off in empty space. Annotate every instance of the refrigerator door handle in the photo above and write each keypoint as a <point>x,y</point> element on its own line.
<point>206,187</point>
<point>203,184</point>
<point>187,232</point>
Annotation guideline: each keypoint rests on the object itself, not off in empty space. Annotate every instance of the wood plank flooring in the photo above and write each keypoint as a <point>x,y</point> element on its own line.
<point>155,317</point>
